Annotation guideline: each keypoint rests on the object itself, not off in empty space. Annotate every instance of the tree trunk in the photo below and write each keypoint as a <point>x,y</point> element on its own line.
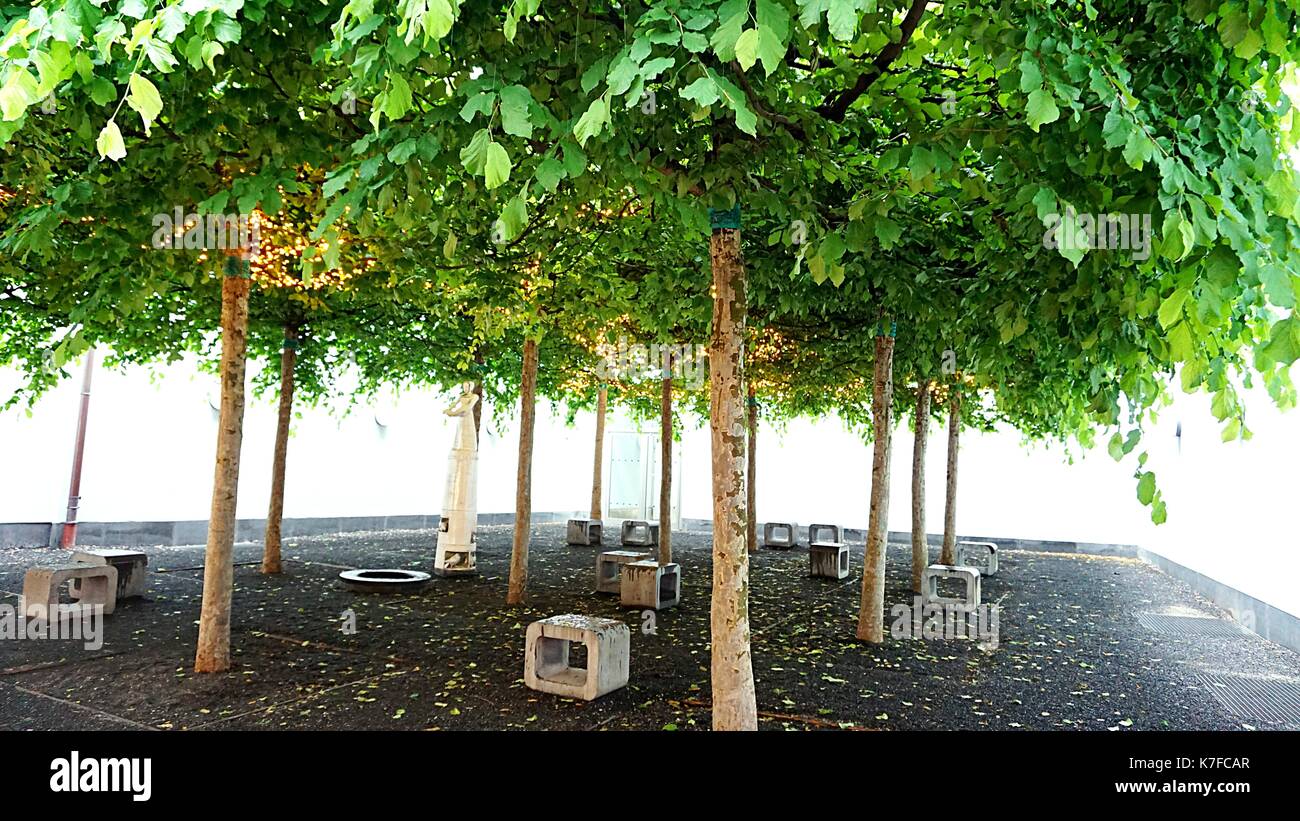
<point>734,704</point>
<point>275,514</point>
<point>524,486</point>
<point>751,486</point>
<point>666,471</point>
<point>949,554</point>
<point>920,546</point>
<point>213,653</point>
<point>871,617</point>
<point>478,391</point>
<point>598,463</point>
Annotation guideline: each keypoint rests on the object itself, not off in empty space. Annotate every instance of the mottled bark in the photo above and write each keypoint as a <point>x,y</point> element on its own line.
<point>734,705</point>
<point>921,429</point>
<point>213,652</point>
<point>598,462</point>
<point>949,554</point>
<point>751,486</point>
<point>871,616</point>
<point>275,512</point>
<point>524,481</point>
<point>666,472</point>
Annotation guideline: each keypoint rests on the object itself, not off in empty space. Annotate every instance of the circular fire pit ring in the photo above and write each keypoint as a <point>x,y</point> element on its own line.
<point>384,580</point>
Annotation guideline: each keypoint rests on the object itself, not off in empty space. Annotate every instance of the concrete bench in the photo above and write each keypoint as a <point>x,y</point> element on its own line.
<point>608,565</point>
<point>780,535</point>
<point>41,589</point>
<point>981,555</point>
<point>640,534</point>
<point>828,560</point>
<point>651,585</point>
<point>970,576</point>
<point>825,534</point>
<point>132,570</point>
<point>546,656</point>
<point>585,532</point>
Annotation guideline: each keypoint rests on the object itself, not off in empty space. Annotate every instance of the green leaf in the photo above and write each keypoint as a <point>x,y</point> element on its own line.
<point>771,50</point>
<point>516,102</point>
<point>109,144</point>
<point>703,91</point>
<point>549,173</point>
<point>1146,489</point>
<point>593,121</point>
<point>1042,109</point>
<point>497,166</point>
<point>1277,282</point>
<point>1171,310</point>
<point>474,155</point>
<point>143,97</point>
<point>747,48</point>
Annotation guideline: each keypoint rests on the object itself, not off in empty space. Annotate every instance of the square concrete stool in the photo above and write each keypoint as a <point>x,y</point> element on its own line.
<point>546,656</point>
<point>41,589</point>
<point>650,584</point>
<point>930,585</point>
<point>828,561</point>
<point>826,534</point>
<point>640,534</point>
<point>980,555</point>
<point>132,569</point>
<point>585,532</point>
<point>608,565</point>
<point>780,535</point>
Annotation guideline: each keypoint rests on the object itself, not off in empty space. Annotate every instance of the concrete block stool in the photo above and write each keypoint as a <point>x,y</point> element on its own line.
<point>980,555</point>
<point>640,534</point>
<point>780,535</point>
<point>608,565</point>
<point>826,534</point>
<point>132,569</point>
<point>930,585</point>
<point>828,560</point>
<point>585,532</point>
<point>650,584</point>
<point>546,656</point>
<point>41,589</point>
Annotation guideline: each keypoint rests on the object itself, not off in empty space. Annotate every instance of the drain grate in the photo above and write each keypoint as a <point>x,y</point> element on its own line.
<point>1275,700</point>
<point>1190,626</point>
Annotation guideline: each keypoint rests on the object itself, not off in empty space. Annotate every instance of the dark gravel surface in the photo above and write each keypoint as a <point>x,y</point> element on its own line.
<point>1072,653</point>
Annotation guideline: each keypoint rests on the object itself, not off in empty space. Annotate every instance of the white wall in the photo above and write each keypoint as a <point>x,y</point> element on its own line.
<point>150,446</point>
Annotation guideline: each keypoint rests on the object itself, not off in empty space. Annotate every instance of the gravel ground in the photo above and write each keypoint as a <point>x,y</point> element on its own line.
<point>1071,654</point>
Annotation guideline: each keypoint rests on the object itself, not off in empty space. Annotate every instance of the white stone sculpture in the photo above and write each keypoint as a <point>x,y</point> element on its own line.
<point>455,554</point>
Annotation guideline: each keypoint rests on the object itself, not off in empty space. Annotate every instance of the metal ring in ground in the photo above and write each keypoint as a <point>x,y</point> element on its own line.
<point>384,580</point>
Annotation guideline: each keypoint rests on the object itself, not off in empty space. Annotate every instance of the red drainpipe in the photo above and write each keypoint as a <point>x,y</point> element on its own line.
<point>69,538</point>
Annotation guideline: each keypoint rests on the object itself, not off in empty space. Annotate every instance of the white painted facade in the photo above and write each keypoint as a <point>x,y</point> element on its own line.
<point>151,441</point>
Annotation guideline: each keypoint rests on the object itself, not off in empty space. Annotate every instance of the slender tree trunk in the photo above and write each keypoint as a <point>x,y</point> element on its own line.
<point>949,554</point>
<point>478,391</point>
<point>598,462</point>
<point>666,471</point>
<point>751,486</point>
<point>920,547</point>
<point>871,618</point>
<point>213,653</point>
<point>734,704</point>
<point>275,514</point>
<point>524,486</point>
